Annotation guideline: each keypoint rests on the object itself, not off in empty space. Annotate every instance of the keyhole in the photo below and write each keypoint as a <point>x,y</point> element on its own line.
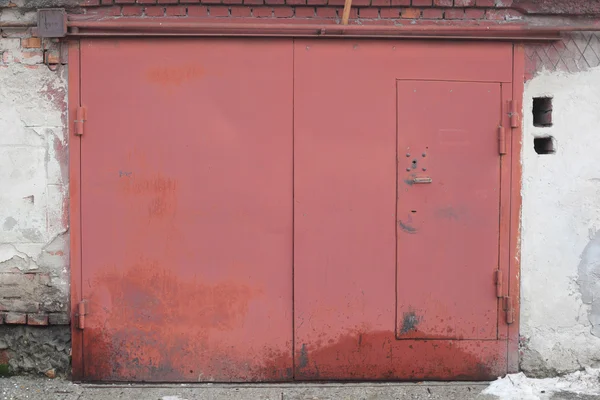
<point>414,164</point>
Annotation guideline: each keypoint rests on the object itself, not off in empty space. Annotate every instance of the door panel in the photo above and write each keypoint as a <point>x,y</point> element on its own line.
<point>346,138</point>
<point>448,209</point>
<point>187,209</point>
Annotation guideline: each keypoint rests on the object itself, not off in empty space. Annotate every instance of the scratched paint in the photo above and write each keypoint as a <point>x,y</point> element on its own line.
<point>187,211</point>
<point>188,261</point>
<point>364,230</point>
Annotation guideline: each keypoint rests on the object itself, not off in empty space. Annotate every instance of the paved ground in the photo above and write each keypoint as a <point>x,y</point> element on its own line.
<point>24,388</point>
<point>21,388</point>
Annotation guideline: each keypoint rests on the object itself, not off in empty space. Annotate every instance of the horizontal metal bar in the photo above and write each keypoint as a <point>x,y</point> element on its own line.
<point>160,27</point>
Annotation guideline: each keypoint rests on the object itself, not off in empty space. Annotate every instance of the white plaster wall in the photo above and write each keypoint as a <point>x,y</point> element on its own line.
<point>33,181</point>
<point>560,239</point>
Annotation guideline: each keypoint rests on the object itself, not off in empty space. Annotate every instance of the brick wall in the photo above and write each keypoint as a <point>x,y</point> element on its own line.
<point>34,254</point>
<point>363,11</point>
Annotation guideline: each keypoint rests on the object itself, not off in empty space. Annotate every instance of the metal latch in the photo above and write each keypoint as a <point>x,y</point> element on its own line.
<point>422,180</point>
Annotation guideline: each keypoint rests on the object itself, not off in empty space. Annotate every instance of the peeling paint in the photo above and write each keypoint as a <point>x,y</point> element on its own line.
<point>589,281</point>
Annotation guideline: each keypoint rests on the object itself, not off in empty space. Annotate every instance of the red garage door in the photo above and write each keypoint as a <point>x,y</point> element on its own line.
<point>271,210</point>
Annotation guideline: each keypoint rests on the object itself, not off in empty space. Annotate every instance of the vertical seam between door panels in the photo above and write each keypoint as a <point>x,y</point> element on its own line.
<point>293,211</point>
<point>500,192</point>
<point>82,372</point>
<point>510,208</point>
<point>396,164</point>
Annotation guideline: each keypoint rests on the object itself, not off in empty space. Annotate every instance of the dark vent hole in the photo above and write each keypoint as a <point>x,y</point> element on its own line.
<point>544,145</point>
<point>542,111</point>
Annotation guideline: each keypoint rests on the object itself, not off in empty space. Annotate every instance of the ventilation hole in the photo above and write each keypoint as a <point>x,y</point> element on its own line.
<point>544,145</point>
<point>413,211</point>
<point>542,111</point>
<point>414,164</point>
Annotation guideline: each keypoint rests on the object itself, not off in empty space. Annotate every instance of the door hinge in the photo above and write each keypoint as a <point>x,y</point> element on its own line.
<point>514,114</point>
<point>509,310</point>
<point>81,313</point>
<point>80,117</point>
<point>498,279</point>
<point>501,140</point>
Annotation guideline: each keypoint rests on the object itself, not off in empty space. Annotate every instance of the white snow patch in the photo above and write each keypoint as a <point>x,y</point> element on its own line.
<point>520,387</point>
<point>171,398</point>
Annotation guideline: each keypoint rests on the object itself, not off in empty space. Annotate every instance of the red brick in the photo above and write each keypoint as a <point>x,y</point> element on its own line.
<point>474,13</point>
<point>381,3</point>
<point>218,11</point>
<point>485,3</point>
<point>433,13</point>
<point>4,357</point>
<point>88,3</point>
<point>400,3</point>
<point>124,1</point>
<point>275,2</point>
<point>197,11</point>
<point>176,11</point>
<point>326,12</point>
<point>283,12</point>
<point>146,1</point>
<point>14,318</point>
<point>411,13</point>
<point>241,11</point>
<point>464,3</point>
<point>262,12</point>
<point>37,319</point>
<point>316,2</point>
<point>167,1</point>
<point>233,1</point>
<point>155,11</point>
<point>504,3</point>
<point>188,1</point>
<point>31,43</point>
<point>456,13</point>
<point>131,11</point>
<point>443,3</point>
<point>361,3</point>
<point>253,2</point>
<point>368,13</point>
<point>106,2</point>
<point>390,13</point>
<point>422,3</point>
<point>305,12</point>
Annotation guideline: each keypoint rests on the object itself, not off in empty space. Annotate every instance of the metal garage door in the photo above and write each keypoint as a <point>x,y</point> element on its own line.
<point>271,210</point>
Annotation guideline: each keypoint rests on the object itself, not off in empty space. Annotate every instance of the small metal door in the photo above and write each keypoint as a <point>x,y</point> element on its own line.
<point>448,208</point>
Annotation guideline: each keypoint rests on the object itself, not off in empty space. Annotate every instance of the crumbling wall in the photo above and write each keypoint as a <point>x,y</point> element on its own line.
<point>560,232</point>
<point>34,251</point>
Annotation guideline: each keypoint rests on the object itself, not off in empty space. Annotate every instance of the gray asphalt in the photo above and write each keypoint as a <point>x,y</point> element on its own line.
<point>29,388</point>
<point>21,388</point>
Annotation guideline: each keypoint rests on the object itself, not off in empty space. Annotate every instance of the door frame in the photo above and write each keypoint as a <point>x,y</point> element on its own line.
<point>510,219</point>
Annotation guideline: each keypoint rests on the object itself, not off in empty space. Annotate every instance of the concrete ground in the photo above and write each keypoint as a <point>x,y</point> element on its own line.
<point>26,388</point>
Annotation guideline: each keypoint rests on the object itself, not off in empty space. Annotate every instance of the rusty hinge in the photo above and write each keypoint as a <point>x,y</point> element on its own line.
<point>513,114</point>
<point>80,117</point>
<point>498,279</point>
<point>509,310</point>
<point>501,140</point>
<point>81,313</point>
